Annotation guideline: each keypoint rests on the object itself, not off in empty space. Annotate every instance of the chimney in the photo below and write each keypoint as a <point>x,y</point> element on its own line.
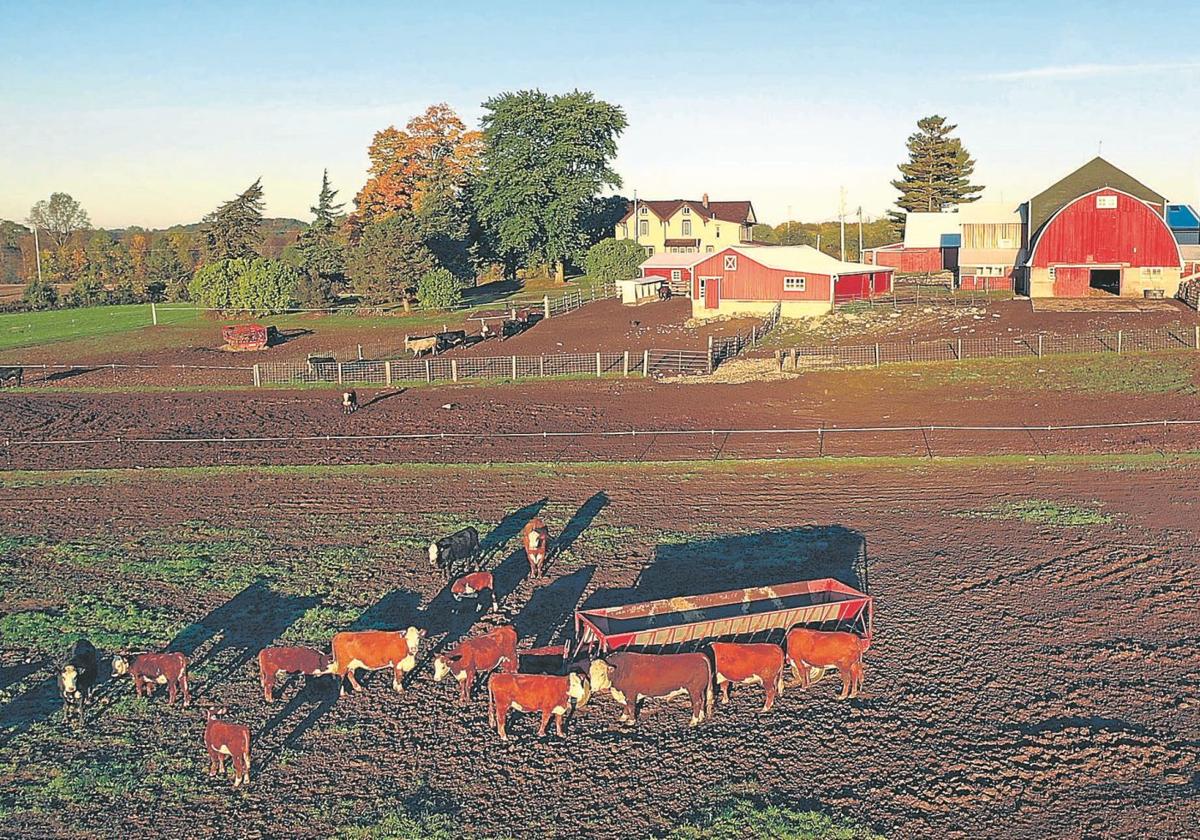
<point>704,200</point>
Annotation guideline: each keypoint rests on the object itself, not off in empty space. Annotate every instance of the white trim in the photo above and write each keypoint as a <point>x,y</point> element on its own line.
<point>800,281</point>
<point>1033,246</point>
<point>731,262</point>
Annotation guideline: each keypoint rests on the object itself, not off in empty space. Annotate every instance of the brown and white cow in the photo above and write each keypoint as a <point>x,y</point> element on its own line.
<point>535,538</point>
<point>480,655</point>
<point>815,650</point>
<point>223,739</point>
<point>153,669</point>
<point>545,693</point>
<point>374,650</point>
<point>473,585</point>
<point>290,660</point>
<point>630,677</point>
<point>755,664</point>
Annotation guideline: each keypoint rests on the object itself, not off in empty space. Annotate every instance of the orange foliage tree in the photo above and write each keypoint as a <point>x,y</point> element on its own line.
<point>435,144</point>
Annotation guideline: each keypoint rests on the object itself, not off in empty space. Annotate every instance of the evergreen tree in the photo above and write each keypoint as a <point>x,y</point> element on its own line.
<point>320,253</point>
<point>167,275</point>
<point>390,256</point>
<point>233,230</point>
<point>326,211</point>
<point>937,173</point>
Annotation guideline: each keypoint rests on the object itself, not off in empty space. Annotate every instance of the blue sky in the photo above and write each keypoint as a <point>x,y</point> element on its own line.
<point>153,113</point>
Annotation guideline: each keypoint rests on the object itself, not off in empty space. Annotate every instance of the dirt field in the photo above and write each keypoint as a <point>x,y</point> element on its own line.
<point>1032,667</point>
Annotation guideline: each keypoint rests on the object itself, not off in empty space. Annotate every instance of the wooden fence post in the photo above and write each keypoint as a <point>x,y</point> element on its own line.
<point>428,371</point>
<point>257,377</point>
<point>514,367</point>
<point>958,352</point>
<point>339,364</point>
<point>153,314</point>
<point>1039,345</point>
<point>454,369</point>
<point>625,368</point>
<point>542,365</point>
<point>646,363</point>
<point>387,373</point>
<point>711,364</point>
<point>546,305</point>
<point>754,336</point>
<point>597,365</point>
<point>877,354</point>
<point>1196,336</point>
<point>360,351</point>
<point>1118,341</point>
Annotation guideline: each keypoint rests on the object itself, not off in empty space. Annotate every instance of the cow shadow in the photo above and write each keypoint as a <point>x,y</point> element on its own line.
<point>39,702</point>
<point>549,614</point>
<point>579,522</point>
<point>509,527</point>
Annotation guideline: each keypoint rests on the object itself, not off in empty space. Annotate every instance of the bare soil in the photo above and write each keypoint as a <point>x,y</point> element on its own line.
<point>1027,678</point>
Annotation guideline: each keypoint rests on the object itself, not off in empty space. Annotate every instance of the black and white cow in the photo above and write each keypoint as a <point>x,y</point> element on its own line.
<point>349,402</point>
<point>77,678</point>
<point>451,554</point>
<point>11,376</point>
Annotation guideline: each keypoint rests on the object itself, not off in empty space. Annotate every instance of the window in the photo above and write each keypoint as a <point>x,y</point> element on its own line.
<point>1052,273</point>
<point>731,262</point>
<point>687,211</point>
<point>794,284</point>
<point>687,227</point>
<point>1106,202</point>
<point>701,294</point>
<point>708,249</point>
<point>644,228</point>
<point>1152,273</point>
<point>649,250</point>
<point>642,211</point>
<point>676,274</point>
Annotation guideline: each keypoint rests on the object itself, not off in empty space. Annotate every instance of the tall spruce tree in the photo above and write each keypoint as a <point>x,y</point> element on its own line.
<point>326,211</point>
<point>322,254</point>
<point>938,171</point>
<point>234,230</point>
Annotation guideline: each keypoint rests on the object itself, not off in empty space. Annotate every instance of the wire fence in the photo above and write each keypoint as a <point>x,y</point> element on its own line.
<point>1165,437</point>
<point>720,349</point>
<point>1189,293</point>
<point>925,294</point>
<point>1177,337</point>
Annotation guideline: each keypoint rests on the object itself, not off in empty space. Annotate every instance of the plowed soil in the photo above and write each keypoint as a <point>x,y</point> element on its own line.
<point>1028,677</point>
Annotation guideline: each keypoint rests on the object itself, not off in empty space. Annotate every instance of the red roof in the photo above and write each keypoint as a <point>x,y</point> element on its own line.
<point>738,212</point>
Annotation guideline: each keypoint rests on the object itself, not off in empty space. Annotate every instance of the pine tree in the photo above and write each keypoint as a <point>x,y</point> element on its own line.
<point>937,173</point>
<point>326,211</point>
<point>233,230</point>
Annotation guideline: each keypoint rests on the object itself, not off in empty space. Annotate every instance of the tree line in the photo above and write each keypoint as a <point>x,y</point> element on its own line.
<point>443,204</point>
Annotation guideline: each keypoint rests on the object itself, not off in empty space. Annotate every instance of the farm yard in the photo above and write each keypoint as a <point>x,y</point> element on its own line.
<point>1031,662</point>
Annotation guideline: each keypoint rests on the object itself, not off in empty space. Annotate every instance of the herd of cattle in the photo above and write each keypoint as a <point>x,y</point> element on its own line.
<point>512,683</point>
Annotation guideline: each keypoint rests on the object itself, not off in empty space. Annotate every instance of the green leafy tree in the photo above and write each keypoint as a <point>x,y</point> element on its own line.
<point>234,230</point>
<point>937,173</point>
<point>255,285</point>
<point>40,294</point>
<point>61,216</point>
<point>166,275</point>
<point>87,291</point>
<point>545,160</point>
<point>614,259</point>
<point>443,218</point>
<point>438,289</point>
<point>390,256</point>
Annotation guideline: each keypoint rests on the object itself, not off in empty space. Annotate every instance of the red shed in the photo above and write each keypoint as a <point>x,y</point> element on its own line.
<point>804,281</point>
<point>1105,241</point>
<point>675,268</point>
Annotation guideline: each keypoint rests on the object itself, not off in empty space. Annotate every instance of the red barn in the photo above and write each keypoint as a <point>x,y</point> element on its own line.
<point>1099,232</point>
<point>675,268</point>
<point>804,281</point>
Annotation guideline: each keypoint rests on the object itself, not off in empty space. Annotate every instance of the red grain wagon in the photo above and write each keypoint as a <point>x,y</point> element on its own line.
<point>246,336</point>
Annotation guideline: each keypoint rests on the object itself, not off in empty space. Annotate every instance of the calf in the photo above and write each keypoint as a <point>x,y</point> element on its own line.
<point>536,540</point>
<point>223,739</point>
<point>419,345</point>
<point>631,677</point>
<point>151,669</point>
<point>452,551</point>
<point>290,660</point>
<point>77,679</point>
<point>748,665</point>
<point>474,585</point>
<point>495,649</point>
<point>349,402</point>
<point>374,650</point>
<point>543,693</point>
<point>12,375</point>
<point>816,649</point>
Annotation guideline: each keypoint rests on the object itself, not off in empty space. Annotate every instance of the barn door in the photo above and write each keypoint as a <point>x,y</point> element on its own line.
<point>712,293</point>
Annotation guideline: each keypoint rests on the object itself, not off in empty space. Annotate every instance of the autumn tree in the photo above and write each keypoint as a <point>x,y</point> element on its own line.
<point>545,160</point>
<point>61,216</point>
<point>233,230</point>
<point>404,162</point>
<point>937,173</point>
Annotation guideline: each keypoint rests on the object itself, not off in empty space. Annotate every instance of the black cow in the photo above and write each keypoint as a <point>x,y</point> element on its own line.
<point>12,376</point>
<point>451,553</point>
<point>77,679</point>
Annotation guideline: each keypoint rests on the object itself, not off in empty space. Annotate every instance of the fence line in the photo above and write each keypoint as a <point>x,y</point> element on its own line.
<point>720,349</point>
<point>1177,337</point>
<point>917,294</point>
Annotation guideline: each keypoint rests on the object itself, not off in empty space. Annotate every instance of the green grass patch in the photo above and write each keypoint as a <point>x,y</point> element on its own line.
<point>1044,512</point>
<point>318,625</point>
<point>744,818</point>
<point>111,622</point>
<point>29,329</point>
<point>402,826</point>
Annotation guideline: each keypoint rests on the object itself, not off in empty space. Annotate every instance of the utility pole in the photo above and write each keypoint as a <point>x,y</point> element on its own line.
<point>637,223</point>
<point>860,233</point>
<point>37,252</point>
<point>842,220</point>
<point>789,226</point>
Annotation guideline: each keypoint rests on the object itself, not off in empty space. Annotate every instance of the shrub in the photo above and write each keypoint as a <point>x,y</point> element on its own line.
<point>40,295</point>
<point>610,260</point>
<point>314,291</point>
<point>255,285</point>
<point>438,289</point>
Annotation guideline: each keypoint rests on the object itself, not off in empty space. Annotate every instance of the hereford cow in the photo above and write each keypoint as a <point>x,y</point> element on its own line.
<point>290,660</point>
<point>536,540</point>
<point>543,693</point>
<point>349,402</point>
<point>12,376</point>
<point>374,650</point>
<point>77,679</point>
<point>474,585</point>
<point>633,676</point>
<point>760,664</point>
<point>816,649</point>
<point>152,669</point>
<point>223,739</point>
<point>496,649</point>
<point>454,551</point>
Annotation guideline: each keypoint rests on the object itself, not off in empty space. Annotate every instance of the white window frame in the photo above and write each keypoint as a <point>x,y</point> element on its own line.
<point>798,284</point>
<point>642,211</point>
<point>701,288</point>
<point>1052,273</point>
<point>643,227</point>
<point>685,226</point>
<point>676,274</point>
<point>1106,202</point>
<point>649,250</point>
<point>708,249</point>
<point>687,211</point>
<point>731,262</point>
